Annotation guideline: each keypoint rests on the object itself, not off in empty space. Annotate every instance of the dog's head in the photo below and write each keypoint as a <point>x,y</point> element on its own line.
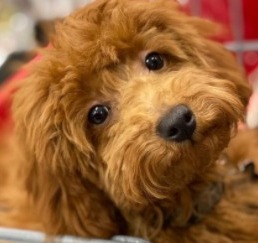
<point>133,97</point>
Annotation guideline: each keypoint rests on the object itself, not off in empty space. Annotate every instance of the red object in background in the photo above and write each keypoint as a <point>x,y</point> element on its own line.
<point>6,91</point>
<point>241,19</point>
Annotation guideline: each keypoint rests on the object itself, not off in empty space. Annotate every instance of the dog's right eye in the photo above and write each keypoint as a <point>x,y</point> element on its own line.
<point>154,61</point>
<point>98,114</point>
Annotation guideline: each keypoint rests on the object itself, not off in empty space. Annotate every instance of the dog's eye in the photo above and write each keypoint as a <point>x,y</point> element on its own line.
<point>154,61</point>
<point>98,114</point>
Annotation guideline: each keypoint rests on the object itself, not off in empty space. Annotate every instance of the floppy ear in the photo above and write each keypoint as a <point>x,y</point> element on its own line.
<point>214,55</point>
<point>59,169</point>
<point>226,66</point>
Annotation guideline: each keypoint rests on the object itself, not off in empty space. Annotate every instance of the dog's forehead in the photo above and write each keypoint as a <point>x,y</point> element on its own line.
<point>104,31</point>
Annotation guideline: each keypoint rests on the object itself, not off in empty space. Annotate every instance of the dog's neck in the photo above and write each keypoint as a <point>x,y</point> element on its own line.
<point>185,208</point>
<point>192,205</point>
<point>205,201</point>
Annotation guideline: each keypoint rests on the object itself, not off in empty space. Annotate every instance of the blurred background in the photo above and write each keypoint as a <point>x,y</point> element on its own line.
<point>18,18</point>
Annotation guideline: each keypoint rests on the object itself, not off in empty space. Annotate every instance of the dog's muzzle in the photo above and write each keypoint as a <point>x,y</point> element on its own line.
<point>178,124</point>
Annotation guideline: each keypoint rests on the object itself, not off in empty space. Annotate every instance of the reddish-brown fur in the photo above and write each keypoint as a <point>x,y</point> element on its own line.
<point>67,176</point>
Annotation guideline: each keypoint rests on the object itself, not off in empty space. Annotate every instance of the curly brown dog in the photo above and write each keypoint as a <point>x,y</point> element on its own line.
<point>119,127</point>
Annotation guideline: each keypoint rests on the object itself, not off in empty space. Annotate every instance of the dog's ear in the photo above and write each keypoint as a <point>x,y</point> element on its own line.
<point>214,56</point>
<point>59,167</point>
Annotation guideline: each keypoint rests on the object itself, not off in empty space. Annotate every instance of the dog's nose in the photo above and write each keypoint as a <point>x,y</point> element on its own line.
<point>178,125</point>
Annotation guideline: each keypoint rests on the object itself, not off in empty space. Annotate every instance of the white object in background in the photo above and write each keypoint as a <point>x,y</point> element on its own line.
<point>183,2</point>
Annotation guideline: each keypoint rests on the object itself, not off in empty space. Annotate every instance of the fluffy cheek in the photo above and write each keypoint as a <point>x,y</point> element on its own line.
<point>140,166</point>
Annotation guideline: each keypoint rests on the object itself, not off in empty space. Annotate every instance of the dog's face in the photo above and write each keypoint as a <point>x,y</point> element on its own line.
<point>133,97</point>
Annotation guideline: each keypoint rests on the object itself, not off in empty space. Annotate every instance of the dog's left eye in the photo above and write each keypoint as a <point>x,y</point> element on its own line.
<point>154,61</point>
<point>98,114</point>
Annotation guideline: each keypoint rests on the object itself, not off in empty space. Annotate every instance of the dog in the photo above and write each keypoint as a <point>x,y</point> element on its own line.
<point>122,126</point>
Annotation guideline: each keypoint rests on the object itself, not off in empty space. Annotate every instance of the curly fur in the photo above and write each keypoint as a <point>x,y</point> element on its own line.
<point>67,176</point>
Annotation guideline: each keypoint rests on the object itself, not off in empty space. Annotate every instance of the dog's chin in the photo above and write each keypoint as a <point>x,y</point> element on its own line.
<point>159,179</point>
